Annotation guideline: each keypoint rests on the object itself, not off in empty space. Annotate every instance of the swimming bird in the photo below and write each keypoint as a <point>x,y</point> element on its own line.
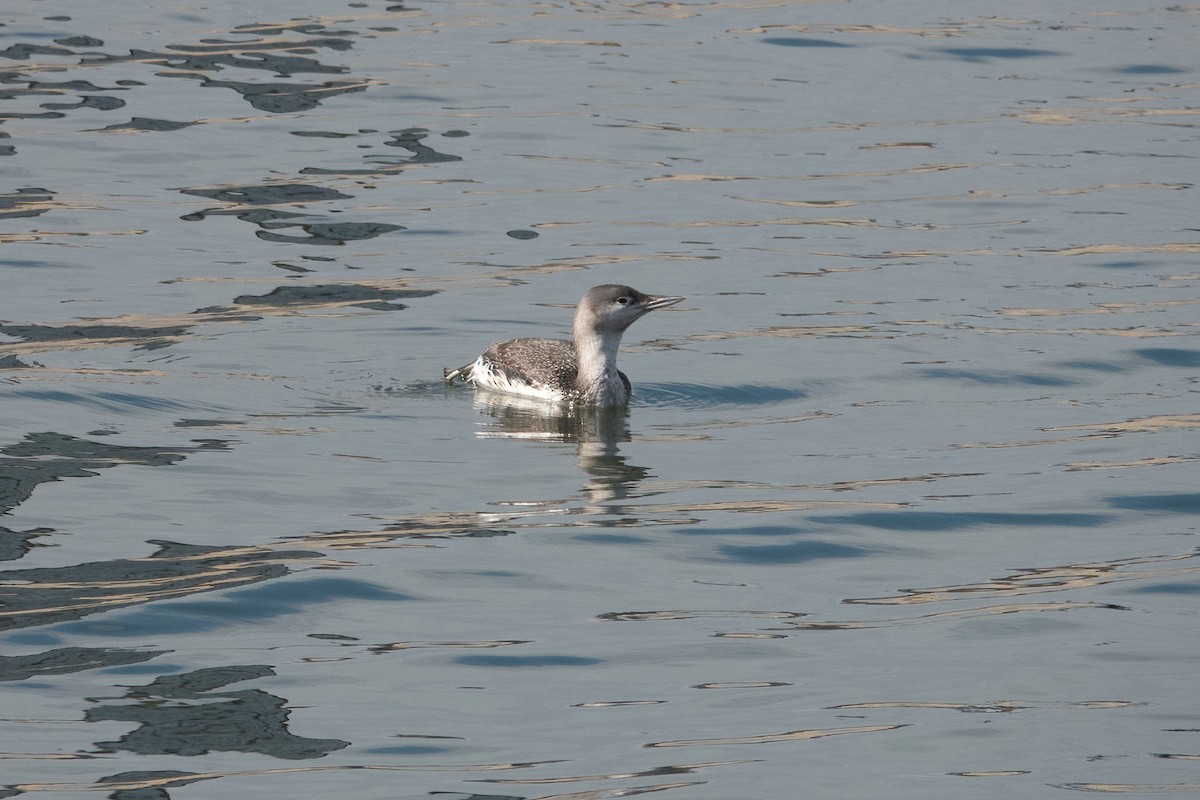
<point>582,371</point>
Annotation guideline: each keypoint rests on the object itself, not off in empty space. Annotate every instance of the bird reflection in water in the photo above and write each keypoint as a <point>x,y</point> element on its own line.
<point>594,430</point>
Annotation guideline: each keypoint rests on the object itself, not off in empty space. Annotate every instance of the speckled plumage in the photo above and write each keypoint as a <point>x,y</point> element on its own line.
<point>582,371</point>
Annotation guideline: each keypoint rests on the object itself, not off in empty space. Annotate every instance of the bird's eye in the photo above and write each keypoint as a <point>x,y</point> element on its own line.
<point>623,301</point>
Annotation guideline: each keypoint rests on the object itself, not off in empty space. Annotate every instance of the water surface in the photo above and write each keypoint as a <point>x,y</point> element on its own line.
<point>904,505</point>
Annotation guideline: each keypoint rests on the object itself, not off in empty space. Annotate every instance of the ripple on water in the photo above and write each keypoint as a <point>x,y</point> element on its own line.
<point>705,396</point>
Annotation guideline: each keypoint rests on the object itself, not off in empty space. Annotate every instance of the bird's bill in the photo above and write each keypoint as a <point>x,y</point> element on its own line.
<point>662,302</point>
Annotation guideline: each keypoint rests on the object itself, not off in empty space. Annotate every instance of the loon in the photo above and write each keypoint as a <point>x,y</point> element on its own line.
<point>580,372</point>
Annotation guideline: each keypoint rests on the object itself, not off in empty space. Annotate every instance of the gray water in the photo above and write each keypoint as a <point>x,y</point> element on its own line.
<point>905,504</point>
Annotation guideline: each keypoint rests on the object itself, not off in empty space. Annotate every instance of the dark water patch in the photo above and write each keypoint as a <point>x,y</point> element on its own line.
<point>1150,69</point>
<point>613,538</point>
<point>184,715</point>
<point>80,41</point>
<point>1170,356</point>
<point>291,267</point>
<point>277,57</point>
<point>122,402</point>
<point>954,521</point>
<point>797,552</point>
<point>148,338</point>
<point>269,194</point>
<point>98,102</point>
<point>22,51</point>
<point>1094,366</point>
<point>60,87</point>
<point>15,544</point>
<point>800,41</point>
<point>511,662</point>
<point>1169,588</point>
<point>41,596</point>
<point>319,233</point>
<point>696,395</point>
<point>26,202</point>
<point>410,530</point>
<point>323,134</point>
<point>147,124</point>
<point>12,362</point>
<point>258,604</point>
<point>279,98</point>
<point>1123,264</point>
<point>1179,503</point>
<point>223,46</point>
<point>372,297</point>
<point>982,54</point>
<point>206,423</point>
<point>66,660</point>
<point>47,457</point>
<point>412,750</point>
<point>332,233</point>
<point>522,234</point>
<point>7,115</point>
<point>264,217</point>
<point>997,378</point>
<point>410,139</point>
<point>427,98</point>
<point>294,26</point>
<point>26,263</point>
<point>337,637</point>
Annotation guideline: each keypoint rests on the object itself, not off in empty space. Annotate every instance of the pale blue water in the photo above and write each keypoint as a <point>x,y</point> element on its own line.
<point>905,504</point>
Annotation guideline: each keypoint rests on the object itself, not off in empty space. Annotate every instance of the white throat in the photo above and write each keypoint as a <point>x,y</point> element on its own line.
<point>596,357</point>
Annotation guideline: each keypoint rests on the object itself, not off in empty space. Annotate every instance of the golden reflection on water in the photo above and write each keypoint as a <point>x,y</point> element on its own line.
<point>673,769</point>
<point>1047,579</point>
<point>1002,707</point>
<point>945,616</point>
<point>1085,466</point>
<point>773,738</point>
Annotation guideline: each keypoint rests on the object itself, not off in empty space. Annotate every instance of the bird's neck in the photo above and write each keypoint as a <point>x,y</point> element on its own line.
<point>596,359</point>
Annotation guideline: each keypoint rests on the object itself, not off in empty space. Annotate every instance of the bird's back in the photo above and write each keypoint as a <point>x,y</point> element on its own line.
<point>543,368</point>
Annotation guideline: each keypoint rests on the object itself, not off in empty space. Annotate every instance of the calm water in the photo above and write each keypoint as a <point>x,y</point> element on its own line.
<point>906,502</point>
